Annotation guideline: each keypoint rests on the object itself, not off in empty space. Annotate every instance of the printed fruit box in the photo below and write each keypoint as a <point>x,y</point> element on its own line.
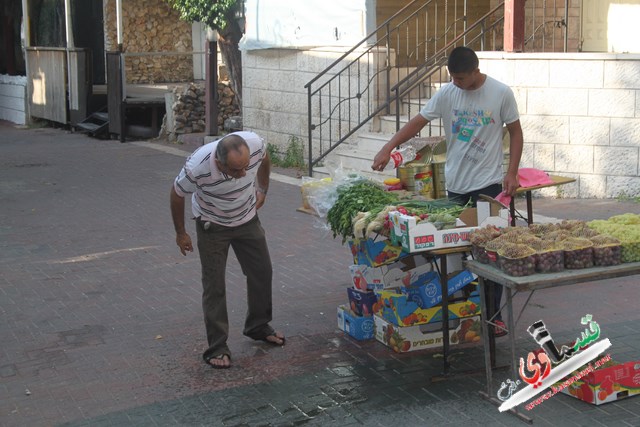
<point>419,337</point>
<point>359,327</point>
<point>605,384</point>
<point>399,310</point>
<point>390,276</point>
<point>430,294</point>
<point>414,237</point>
<point>361,302</point>
<point>375,253</point>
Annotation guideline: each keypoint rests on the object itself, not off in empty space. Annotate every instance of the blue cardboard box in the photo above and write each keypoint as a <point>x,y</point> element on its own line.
<point>361,302</point>
<point>359,327</point>
<point>375,253</point>
<point>430,293</point>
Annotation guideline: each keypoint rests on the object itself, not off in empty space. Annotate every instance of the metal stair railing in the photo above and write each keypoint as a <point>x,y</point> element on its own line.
<point>475,36</point>
<point>392,62</point>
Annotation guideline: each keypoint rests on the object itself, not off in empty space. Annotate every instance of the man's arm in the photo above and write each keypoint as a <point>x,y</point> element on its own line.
<point>405,133</point>
<point>516,142</point>
<point>183,240</point>
<point>264,171</point>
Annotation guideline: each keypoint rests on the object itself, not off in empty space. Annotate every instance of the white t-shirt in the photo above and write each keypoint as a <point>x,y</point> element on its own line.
<point>218,197</point>
<point>473,121</point>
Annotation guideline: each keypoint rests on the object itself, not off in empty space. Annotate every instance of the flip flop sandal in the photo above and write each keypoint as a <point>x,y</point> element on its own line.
<point>219,357</point>
<point>273,342</point>
<point>271,333</point>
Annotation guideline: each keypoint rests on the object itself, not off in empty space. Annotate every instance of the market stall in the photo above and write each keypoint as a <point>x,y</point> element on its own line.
<point>409,289</point>
<point>405,247</point>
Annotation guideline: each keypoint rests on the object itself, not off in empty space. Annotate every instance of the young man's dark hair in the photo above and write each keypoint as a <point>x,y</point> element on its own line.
<point>462,60</point>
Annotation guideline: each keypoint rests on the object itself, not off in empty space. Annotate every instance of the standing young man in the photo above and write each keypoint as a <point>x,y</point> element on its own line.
<point>473,107</point>
<point>228,180</point>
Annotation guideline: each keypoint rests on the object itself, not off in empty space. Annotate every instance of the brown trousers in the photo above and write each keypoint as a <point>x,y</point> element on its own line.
<point>250,246</point>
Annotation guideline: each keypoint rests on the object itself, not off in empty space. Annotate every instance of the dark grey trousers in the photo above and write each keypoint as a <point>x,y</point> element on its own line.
<point>250,246</point>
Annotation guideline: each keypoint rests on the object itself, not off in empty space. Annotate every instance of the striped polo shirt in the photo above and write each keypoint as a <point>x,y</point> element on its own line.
<point>217,197</point>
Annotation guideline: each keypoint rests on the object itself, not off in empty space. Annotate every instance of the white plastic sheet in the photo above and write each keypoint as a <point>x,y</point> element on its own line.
<point>303,24</point>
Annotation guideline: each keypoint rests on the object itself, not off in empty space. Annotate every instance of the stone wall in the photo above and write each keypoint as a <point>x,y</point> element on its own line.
<point>275,100</point>
<point>151,26</point>
<point>186,109</point>
<point>580,117</point>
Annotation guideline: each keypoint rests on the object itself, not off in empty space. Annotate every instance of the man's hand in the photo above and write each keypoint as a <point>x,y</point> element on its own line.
<point>406,132</point>
<point>510,184</point>
<point>381,159</point>
<point>260,199</point>
<point>183,240</point>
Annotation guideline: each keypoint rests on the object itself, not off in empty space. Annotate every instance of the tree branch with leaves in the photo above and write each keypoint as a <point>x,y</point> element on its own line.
<point>219,15</point>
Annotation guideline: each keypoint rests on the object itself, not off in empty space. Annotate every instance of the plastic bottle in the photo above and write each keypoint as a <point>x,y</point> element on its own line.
<point>400,156</point>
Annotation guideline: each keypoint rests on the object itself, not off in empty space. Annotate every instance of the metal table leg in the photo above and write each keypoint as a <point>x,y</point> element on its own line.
<point>445,312</point>
<point>484,312</point>
<point>529,208</point>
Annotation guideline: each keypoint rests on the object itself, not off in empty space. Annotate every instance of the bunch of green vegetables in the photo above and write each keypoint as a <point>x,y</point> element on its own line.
<point>354,198</point>
<point>441,212</point>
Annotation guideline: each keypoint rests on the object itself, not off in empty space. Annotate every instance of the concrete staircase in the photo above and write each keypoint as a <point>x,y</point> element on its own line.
<point>356,155</point>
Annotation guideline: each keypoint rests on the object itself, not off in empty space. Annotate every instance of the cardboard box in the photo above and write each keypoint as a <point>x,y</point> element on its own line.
<point>419,337</point>
<point>414,237</point>
<point>359,327</point>
<point>429,294</point>
<point>605,384</point>
<point>390,276</point>
<point>361,302</point>
<point>399,310</point>
<point>375,253</point>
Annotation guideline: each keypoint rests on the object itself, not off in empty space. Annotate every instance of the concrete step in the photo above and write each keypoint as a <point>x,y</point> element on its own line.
<point>372,141</point>
<point>388,126</point>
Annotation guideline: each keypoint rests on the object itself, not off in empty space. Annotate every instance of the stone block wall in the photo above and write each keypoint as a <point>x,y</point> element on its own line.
<point>150,26</point>
<point>580,116</point>
<point>274,96</point>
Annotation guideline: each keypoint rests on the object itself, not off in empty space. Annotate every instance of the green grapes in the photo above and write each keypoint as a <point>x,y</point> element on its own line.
<point>626,228</point>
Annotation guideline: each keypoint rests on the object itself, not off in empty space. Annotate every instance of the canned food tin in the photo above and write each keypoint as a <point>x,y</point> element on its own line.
<point>439,184</point>
<point>424,184</point>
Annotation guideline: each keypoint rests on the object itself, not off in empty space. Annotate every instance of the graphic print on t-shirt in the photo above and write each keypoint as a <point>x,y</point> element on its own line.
<point>467,120</point>
<point>465,124</point>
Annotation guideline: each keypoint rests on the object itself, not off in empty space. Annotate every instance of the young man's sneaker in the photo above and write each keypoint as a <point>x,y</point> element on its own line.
<point>500,329</point>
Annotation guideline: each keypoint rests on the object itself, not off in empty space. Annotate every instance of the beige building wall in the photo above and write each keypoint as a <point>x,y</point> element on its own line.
<point>275,97</point>
<point>610,26</point>
<point>584,124</point>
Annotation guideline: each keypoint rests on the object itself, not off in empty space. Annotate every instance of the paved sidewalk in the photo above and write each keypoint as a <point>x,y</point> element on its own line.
<point>101,324</point>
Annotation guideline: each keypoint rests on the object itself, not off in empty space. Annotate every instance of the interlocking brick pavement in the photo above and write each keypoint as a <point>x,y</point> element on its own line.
<point>101,324</point>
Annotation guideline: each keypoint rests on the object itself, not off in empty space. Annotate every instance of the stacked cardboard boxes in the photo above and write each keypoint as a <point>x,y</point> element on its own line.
<point>401,296</point>
<point>405,298</point>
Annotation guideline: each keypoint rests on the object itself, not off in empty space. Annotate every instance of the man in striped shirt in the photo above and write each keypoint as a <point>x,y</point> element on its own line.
<point>228,180</point>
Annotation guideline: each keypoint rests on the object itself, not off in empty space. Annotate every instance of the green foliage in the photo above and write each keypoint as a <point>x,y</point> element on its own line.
<point>624,197</point>
<point>274,154</point>
<point>294,156</point>
<point>215,14</point>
